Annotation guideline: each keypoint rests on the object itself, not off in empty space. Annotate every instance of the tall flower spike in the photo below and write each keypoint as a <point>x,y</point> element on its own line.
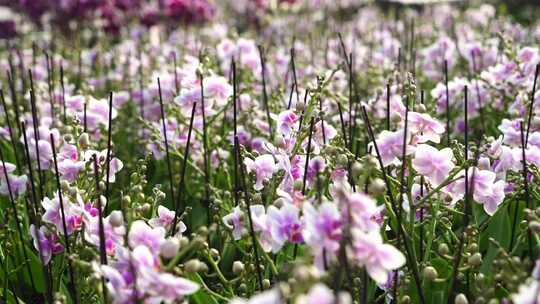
<point>73,288</point>
<point>255,242</point>
<point>108,158</point>
<point>162,112</point>
<point>412,264</point>
<point>102,250</point>
<point>183,172</point>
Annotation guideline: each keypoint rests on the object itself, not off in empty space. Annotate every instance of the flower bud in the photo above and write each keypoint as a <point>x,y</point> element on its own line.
<point>420,108</point>
<point>461,299</point>
<point>169,248</point>
<point>266,283</point>
<point>184,241</point>
<point>84,141</point>
<point>126,200</point>
<point>203,231</point>
<point>298,184</point>
<point>443,249</point>
<point>342,160</point>
<point>473,247</point>
<point>203,267</point>
<point>475,260</point>
<point>357,169</point>
<point>193,265</point>
<point>242,288</point>
<point>430,273</point>
<point>145,207</point>
<point>395,117</point>
<point>372,161</point>
<point>64,184</point>
<point>116,218</point>
<point>377,187</point>
<point>534,226</point>
<point>405,299</point>
<point>238,267</point>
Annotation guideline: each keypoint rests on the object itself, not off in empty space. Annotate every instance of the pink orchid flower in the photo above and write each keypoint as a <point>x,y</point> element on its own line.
<point>235,221</point>
<point>432,163</point>
<point>47,242</point>
<point>378,258</point>
<point>264,167</point>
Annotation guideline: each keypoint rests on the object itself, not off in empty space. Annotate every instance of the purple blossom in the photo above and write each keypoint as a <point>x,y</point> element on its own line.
<point>432,163</point>
<point>378,258</point>
<point>49,243</point>
<point>285,224</point>
<point>235,221</point>
<point>142,234</point>
<point>53,215</point>
<point>264,167</point>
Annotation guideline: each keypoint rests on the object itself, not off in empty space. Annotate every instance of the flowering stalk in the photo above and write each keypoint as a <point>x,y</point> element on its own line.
<point>531,104</point>
<point>64,225</point>
<point>108,158</point>
<point>14,100</point>
<point>265,95</point>
<point>206,200</point>
<point>62,85</point>
<point>102,253</point>
<point>167,156</point>
<point>410,256</point>
<point>525,174</point>
<point>36,135</point>
<point>183,172</point>
<point>248,204</point>
<point>447,103</point>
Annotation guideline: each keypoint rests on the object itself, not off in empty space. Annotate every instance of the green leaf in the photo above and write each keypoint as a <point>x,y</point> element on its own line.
<point>499,229</point>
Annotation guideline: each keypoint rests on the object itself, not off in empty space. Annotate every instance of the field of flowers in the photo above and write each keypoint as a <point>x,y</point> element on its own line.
<point>268,152</point>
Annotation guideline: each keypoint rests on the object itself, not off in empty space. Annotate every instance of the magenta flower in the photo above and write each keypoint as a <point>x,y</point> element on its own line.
<point>264,167</point>
<point>486,190</point>
<point>364,211</point>
<point>323,134</point>
<point>142,234</point>
<point>17,184</point>
<point>115,164</point>
<point>53,215</point>
<point>425,127</point>
<point>114,236</point>
<point>261,224</point>
<point>285,224</point>
<point>272,296</point>
<point>321,294</point>
<point>235,221</point>
<point>323,230</point>
<point>286,122</point>
<point>378,258</point>
<point>189,11</point>
<point>432,163</point>
<point>165,219</point>
<point>49,243</point>
<point>118,286</point>
<point>158,286</point>
<point>390,146</point>
<point>217,89</point>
